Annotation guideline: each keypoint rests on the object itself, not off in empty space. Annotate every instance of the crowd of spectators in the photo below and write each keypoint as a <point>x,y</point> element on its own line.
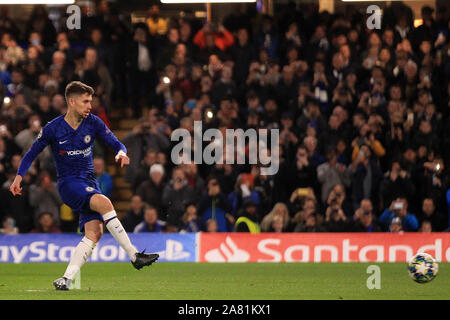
<point>363,116</point>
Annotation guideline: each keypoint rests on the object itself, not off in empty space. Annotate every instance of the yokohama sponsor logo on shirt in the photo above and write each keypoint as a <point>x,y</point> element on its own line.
<point>86,152</point>
<point>321,247</point>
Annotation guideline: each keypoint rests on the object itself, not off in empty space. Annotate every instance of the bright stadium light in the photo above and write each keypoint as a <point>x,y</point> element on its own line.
<point>418,23</point>
<point>37,1</point>
<point>207,1</point>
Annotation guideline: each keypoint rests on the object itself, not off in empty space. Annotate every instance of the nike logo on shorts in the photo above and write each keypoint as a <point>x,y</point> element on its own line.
<point>62,142</point>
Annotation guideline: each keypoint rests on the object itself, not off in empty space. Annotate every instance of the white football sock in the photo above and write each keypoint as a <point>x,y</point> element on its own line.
<point>82,252</point>
<point>115,227</point>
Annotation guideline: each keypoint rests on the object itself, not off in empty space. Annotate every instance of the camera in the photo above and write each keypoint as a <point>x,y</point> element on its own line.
<point>145,129</point>
<point>285,136</point>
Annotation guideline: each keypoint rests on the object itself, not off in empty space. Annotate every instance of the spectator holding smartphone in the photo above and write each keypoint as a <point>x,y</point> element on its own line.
<point>399,209</point>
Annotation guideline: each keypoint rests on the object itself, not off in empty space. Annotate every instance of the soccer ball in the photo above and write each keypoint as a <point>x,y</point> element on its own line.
<point>422,267</point>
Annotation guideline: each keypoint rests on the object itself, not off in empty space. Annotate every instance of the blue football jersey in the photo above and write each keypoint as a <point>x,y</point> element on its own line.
<point>72,149</point>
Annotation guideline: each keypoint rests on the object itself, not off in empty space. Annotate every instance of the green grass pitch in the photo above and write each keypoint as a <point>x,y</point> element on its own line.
<point>236,281</point>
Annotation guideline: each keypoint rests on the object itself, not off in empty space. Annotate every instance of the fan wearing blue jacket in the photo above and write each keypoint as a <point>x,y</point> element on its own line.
<point>399,208</point>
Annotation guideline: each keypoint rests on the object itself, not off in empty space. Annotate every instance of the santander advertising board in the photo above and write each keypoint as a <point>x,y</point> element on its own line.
<point>321,247</point>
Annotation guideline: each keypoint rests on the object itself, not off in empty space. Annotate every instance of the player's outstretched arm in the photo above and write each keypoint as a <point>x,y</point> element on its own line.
<point>15,187</point>
<point>38,145</point>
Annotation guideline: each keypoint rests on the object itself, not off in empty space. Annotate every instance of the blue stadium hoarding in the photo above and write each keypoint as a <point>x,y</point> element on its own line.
<point>26,248</point>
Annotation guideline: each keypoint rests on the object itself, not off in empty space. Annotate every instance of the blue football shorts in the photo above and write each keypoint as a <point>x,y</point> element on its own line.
<point>76,193</point>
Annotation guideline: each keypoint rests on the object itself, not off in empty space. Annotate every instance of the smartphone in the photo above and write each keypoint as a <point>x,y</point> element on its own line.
<point>11,223</point>
<point>209,114</point>
<point>410,117</point>
<point>440,37</point>
<point>191,104</point>
<point>302,191</point>
<point>398,206</point>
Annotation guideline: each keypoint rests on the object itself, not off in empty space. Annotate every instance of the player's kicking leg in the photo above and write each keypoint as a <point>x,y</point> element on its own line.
<point>103,205</point>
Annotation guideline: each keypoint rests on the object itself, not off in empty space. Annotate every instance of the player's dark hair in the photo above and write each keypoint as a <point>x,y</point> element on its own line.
<point>77,88</point>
